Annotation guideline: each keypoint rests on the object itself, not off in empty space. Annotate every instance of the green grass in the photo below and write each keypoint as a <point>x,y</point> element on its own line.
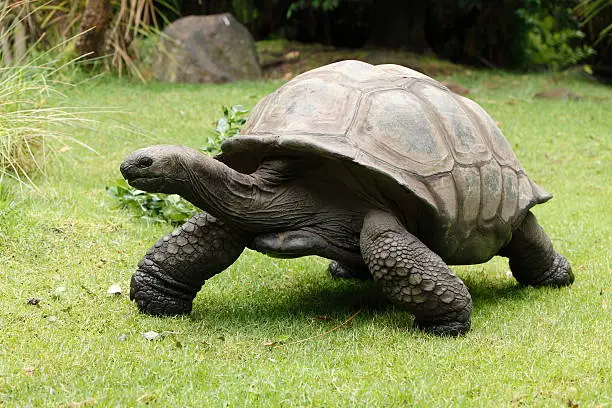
<point>83,347</point>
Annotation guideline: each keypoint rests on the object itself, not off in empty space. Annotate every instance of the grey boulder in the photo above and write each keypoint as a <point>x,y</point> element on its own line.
<point>201,49</point>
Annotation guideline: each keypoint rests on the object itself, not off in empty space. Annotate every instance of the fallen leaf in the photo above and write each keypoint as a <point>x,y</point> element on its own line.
<point>271,343</point>
<point>34,301</point>
<point>29,371</point>
<point>322,317</point>
<point>150,335</point>
<point>114,290</point>
<point>146,398</point>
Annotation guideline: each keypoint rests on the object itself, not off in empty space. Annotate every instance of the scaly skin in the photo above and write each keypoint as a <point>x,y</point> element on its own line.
<point>533,260</point>
<point>414,277</point>
<point>173,271</point>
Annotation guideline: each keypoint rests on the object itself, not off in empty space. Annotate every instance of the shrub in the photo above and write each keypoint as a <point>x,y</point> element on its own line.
<point>551,35</point>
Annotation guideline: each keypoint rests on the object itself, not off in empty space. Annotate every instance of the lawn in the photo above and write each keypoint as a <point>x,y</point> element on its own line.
<point>262,333</point>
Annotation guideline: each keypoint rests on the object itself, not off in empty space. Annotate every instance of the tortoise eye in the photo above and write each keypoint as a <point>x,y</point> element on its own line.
<point>144,162</point>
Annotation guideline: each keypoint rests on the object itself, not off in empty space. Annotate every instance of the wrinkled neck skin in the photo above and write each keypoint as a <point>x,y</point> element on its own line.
<point>215,188</point>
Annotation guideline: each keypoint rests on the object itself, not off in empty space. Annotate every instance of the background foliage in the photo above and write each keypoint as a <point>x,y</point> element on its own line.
<point>522,34</point>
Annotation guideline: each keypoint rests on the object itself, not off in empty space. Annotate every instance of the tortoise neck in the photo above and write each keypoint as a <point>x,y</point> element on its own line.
<point>217,188</point>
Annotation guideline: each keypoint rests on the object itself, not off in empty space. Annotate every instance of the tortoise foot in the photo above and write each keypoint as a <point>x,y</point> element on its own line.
<point>159,297</point>
<point>559,274</point>
<point>449,328</point>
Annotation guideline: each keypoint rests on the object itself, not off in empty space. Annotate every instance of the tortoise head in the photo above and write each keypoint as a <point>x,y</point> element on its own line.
<point>159,169</point>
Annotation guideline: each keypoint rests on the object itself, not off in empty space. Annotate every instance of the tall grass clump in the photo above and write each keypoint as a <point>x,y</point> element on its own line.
<point>31,126</point>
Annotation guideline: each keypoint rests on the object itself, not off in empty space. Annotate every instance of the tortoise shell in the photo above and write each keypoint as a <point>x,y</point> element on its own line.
<point>399,123</point>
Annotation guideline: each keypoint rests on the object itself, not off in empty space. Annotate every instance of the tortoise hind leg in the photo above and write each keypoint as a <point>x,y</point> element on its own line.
<point>414,277</point>
<point>533,260</point>
<point>173,271</point>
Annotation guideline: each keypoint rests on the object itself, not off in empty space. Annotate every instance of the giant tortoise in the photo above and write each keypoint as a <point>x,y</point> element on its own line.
<point>380,169</point>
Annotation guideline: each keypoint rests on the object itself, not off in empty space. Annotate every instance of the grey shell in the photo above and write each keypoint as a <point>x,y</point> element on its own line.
<point>440,146</point>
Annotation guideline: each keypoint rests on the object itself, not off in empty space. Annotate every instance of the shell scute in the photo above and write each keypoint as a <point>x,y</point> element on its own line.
<point>297,109</point>
<point>462,135</point>
<point>491,181</point>
<point>401,138</point>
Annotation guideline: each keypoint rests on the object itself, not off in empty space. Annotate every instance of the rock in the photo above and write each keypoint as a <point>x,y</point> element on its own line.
<point>558,93</point>
<point>199,49</point>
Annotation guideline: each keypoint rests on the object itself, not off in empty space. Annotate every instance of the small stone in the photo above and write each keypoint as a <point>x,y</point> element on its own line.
<point>123,337</point>
<point>52,319</point>
<point>59,292</point>
<point>114,289</point>
<point>150,335</point>
<point>508,274</point>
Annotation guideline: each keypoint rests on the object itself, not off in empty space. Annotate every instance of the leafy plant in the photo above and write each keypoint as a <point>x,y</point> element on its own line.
<point>552,36</point>
<point>172,208</point>
<point>325,5</point>
<point>227,126</point>
<point>152,207</point>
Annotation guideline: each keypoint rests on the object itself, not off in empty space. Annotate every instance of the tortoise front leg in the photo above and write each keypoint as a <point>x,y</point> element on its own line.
<point>414,277</point>
<point>533,261</point>
<point>175,268</point>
